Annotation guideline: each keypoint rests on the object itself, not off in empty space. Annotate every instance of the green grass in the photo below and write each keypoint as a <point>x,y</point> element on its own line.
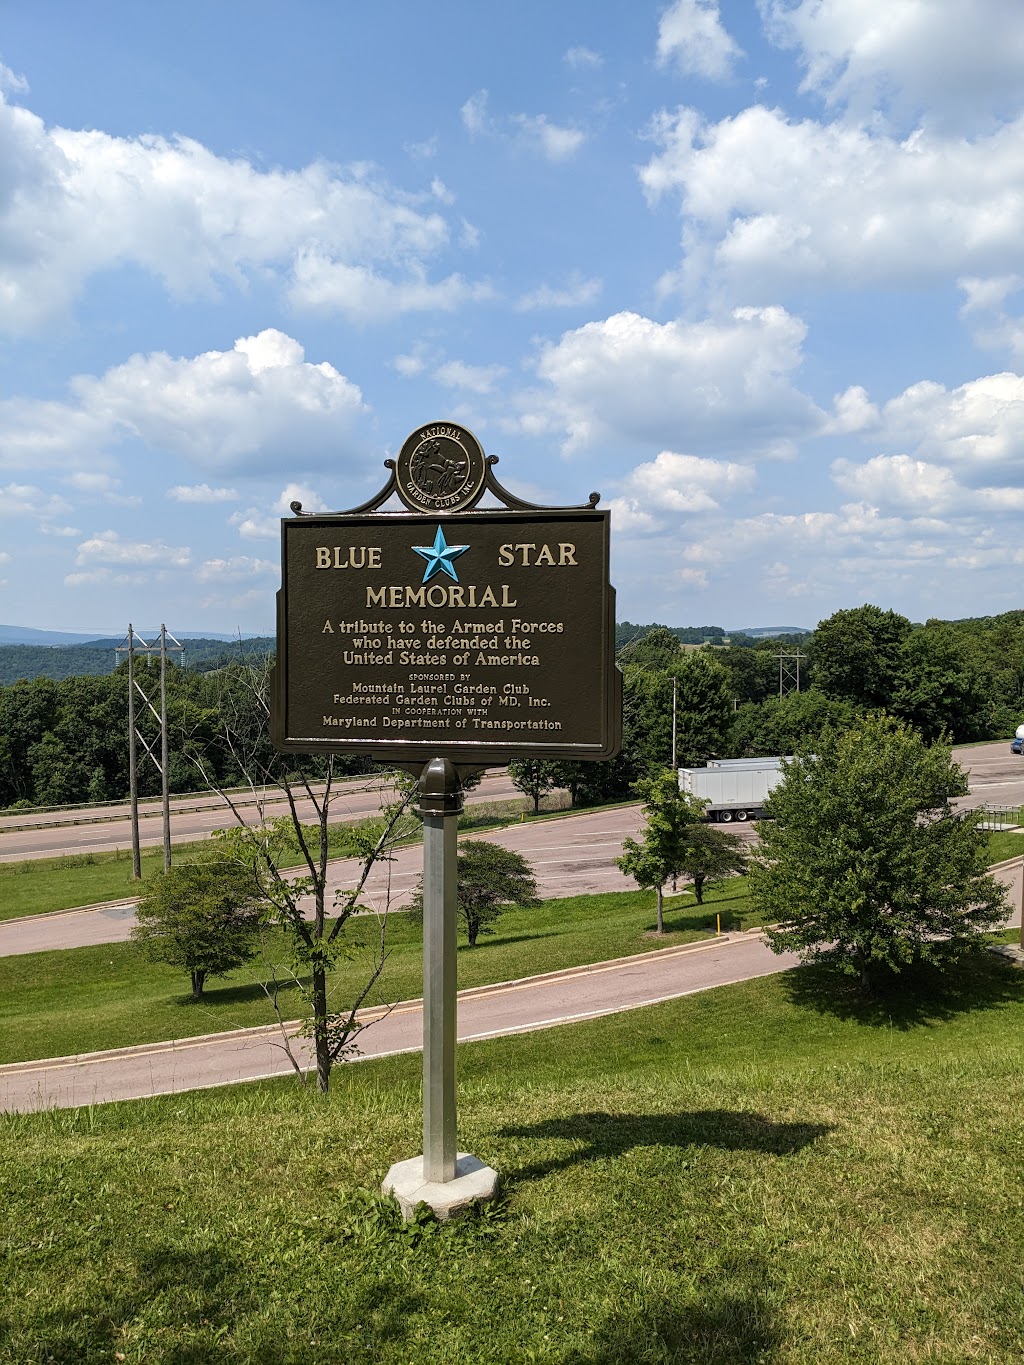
<point>58,1003</point>
<point>1003,845</point>
<point>771,1172</point>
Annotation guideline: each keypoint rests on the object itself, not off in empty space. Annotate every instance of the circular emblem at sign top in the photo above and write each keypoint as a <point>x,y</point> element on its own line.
<point>440,468</point>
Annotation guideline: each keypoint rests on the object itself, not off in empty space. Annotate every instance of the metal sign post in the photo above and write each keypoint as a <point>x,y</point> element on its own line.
<point>440,806</point>
<point>446,638</point>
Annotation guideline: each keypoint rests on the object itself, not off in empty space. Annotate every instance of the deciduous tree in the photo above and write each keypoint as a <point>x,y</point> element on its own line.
<point>866,863</point>
<point>491,880</point>
<point>670,816</point>
<point>203,916</point>
<point>857,655</point>
<point>709,856</point>
<point>534,777</point>
<point>300,901</point>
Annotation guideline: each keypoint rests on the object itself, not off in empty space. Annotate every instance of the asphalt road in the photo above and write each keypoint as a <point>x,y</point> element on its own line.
<point>996,775</point>
<point>488,1012</point>
<point>572,855</point>
<point>101,829</point>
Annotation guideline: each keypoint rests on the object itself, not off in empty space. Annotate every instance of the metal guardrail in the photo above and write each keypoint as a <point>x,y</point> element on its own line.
<point>1001,817</point>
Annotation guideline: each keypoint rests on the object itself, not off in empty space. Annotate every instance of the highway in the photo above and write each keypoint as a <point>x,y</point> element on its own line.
<point>101,829</point>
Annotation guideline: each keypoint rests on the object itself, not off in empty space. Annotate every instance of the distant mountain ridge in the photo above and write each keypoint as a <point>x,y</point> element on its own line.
<point>764,632</point>
<point>98,657</point>
<point>58,639</point>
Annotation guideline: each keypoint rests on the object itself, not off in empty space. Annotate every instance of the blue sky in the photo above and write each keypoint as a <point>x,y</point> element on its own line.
<point>752,270</point>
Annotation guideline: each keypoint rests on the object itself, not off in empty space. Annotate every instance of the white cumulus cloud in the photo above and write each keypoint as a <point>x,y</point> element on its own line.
<point>692,39</point>
<point>243,409</point>
<point>687,483</point>
<point>955,62</point>
<point>200,493</point>
<point>75,202</point>
<point>107,547</point>
<point>720,384</point>
<point>902,481</point>
<point>235,569</point>
<point>25,500</point>
<point>583,58</point>
<point>536,132</point>
<point>456,374</point>
<point>769,202</point>
<point>264,523</point>
<point>552,140</point>
<point>576,293</point>
<point>977,429</point>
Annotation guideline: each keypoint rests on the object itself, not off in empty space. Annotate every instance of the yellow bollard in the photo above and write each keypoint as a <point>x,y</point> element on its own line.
<point>718,931</point>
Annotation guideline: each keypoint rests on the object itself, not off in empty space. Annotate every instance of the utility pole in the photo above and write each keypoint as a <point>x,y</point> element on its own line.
<point>789,672</point>
<point>132,645</point>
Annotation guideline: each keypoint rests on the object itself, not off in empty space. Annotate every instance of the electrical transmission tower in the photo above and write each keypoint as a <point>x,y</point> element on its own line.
<point>133,645</point>
<point>789,672</point>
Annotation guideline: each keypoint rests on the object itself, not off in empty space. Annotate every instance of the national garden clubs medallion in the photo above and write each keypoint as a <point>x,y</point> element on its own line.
<point>441,468</point>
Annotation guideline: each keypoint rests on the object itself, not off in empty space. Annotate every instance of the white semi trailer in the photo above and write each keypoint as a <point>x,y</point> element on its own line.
<point>735,789</point>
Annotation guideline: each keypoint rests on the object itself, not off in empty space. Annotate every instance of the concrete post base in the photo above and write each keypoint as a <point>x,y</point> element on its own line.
<point>474,1183</point>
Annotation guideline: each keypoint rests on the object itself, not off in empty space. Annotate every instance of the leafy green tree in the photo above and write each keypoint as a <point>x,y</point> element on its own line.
<point>205,917</point>
<point>589,784</point>
<point>709,856</point>
<point>646,721</point>
<point>56,778</point>
<point>534,777</point>
<point>491,880</point>
<point>940,690</point>
<point>703,708</point>
<point>27,711</point>
<point>656,651</point>
<point>857,655</point>
<point>670,817</point>
<point>753,673</point>
<point>784,725</point>
<point>865,862</point>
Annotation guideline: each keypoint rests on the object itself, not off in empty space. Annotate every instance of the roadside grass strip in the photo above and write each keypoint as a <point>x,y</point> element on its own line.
<point>74,1000</point>
<point>37,886</point>
<point>775,1171</point>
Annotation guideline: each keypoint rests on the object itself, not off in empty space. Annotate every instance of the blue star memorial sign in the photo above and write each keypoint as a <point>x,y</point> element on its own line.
<point>439,557</point>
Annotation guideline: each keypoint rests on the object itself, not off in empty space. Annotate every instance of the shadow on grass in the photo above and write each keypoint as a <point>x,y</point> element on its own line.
<point>202,1291</point>
<point>690,918</point>
<point>919,996</point>
<point>611,1135</point>
<point>500,942</point>
<point>217,996</point>
<point>732,1324</point>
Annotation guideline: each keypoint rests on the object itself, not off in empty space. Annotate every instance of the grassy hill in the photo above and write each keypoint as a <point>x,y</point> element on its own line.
<point>772,1172</point>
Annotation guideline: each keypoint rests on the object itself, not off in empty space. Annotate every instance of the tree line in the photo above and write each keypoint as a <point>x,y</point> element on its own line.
<point>64,741</point>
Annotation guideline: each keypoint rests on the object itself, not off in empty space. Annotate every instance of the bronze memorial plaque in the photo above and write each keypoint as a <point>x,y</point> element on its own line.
<point>479,636</point>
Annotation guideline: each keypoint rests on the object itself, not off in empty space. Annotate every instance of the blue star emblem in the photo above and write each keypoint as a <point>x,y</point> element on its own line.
<point>439,557</point>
